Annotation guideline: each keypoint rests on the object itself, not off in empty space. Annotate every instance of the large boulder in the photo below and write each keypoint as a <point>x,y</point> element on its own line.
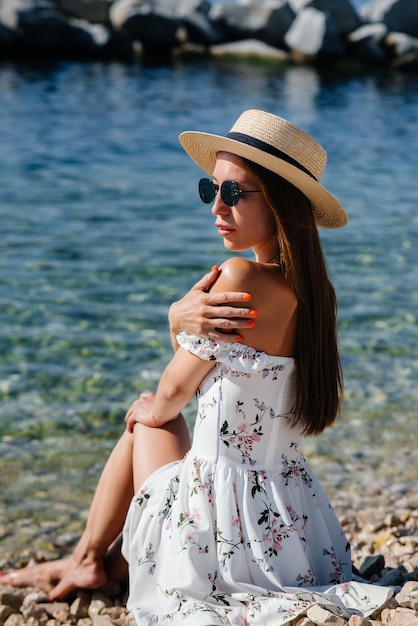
<point>404,50</point>
<point>157,25</point>
<point>367,44</point>
<point>397,15</point>
<point>249,49</point>
<point>7,37</point>
<point>39,27</point>
<point>201,30</point>
<point>314,34</point>
<point>94,11</point>
<point>264,20</point>
<point>35,24</point>
<point>166,24</point>
<point>84,39</point>
<point>342,12</point>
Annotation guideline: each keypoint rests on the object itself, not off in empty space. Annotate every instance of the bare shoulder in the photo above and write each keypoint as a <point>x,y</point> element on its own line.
<point>272,297</point>
<point>239,274</point>
<point>235,272</point>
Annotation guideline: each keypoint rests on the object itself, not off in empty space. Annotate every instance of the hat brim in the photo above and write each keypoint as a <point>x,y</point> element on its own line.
<point>204,147</point>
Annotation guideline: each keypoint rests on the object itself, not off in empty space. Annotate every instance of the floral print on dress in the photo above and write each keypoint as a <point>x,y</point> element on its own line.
<point>148,559</point>
<point>239,532</point>
<point>247,432</point>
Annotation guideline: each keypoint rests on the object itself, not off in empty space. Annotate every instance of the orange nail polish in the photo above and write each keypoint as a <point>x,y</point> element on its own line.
<point>239,339</point>
<point>215,267</point>
<point>250,324</point>
<point>253,313</point>
<point>247,296</point>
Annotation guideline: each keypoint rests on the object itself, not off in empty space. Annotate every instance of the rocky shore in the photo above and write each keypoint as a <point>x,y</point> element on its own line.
<point>382,527</point>
<point>383,33</point>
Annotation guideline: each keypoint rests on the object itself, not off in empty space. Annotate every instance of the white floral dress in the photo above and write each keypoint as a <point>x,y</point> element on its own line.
<point>239,532</point>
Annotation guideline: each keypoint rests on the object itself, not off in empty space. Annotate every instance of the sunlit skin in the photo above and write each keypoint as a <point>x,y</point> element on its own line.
<point>249,224</point>
<point>143,449</point>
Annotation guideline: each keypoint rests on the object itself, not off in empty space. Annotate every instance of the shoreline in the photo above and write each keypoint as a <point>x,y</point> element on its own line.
<point>381,525</point>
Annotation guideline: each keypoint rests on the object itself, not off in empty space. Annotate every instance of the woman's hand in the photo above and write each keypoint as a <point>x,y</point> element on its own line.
<point>141,412</point>
<point>210,315</point>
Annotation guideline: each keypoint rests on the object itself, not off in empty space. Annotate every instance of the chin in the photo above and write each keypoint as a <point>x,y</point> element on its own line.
<point>234,247</point>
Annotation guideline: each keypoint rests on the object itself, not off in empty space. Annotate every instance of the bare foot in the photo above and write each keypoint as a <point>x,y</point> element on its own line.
<point>84,574</point>
<point>42,575</point>
<point>59,578</point>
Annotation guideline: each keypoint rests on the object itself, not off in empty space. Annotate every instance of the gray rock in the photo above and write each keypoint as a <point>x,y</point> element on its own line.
<point>94,11</point>
<point>372,566</point>
<point>33,597</point>
<point>408,596</point>
<point>249,49</point>
<point>404,50</point>
<point>313,34</point>
<point>398,15</point>
<point>97,604</point>
<point>12,598</point>
<point>321,617</point>
<point>103,620</point>
<point>342,12</point>
<point>393,578</point>
<point>16,619</point>
<point>265,20</point>
<point>183,8</point>
<point>6,36</point>
<point>34,23</point>
<point>80,606</point>
<point>5,612</point>
<point>402,617</point>
<point>57,610</point>
<point>38,26</point>
<point>156,26</point>
<point>366,43</point>
<point>201,30</point>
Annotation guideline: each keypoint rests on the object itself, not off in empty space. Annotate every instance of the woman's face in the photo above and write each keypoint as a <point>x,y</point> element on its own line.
<point>250,223</point>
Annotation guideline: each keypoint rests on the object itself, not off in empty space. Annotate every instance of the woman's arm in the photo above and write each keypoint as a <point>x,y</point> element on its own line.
<point>176,388</point>
<point>202,313</point>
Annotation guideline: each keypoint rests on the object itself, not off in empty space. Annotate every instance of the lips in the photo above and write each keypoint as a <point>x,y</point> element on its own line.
<point>224,230</point>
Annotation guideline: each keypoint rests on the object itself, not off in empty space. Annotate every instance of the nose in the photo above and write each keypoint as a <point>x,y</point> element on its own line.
<point>219,207</point>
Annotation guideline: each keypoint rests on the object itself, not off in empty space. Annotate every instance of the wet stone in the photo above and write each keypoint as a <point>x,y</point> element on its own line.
<point>381,526</point>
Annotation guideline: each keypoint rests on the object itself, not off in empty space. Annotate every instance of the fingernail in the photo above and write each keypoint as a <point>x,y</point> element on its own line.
<point>239,339</point>
<point>215,267</point>
<point>247,296</point>
<point>250,324</point>
<point>253,313</point>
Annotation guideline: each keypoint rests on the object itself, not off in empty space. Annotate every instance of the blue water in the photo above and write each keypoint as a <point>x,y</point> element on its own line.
<point>101,229</point>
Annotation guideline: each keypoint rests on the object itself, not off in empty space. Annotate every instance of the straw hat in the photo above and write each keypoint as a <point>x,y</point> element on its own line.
<point>279,146</point>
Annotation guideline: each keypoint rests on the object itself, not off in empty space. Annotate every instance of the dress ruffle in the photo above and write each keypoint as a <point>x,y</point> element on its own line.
<point>238,356</point>
<point>239,532</point>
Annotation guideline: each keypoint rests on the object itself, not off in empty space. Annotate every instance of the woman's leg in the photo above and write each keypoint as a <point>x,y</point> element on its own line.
<point>155,447</point>
<point>97,557</point>
<point>85,568</point>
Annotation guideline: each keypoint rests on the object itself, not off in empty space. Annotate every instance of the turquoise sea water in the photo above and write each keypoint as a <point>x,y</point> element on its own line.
<point>101,229</point>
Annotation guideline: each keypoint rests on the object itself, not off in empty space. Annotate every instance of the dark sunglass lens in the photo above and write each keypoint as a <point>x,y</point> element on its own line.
<point>206,190</point>
<point>230,193</point>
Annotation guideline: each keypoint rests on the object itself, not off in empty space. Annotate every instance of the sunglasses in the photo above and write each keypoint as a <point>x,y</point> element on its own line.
<point>230,191</point>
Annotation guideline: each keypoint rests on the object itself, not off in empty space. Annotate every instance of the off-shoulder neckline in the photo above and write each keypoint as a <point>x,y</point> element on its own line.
<point>238,347</point>
<point>246,348</point>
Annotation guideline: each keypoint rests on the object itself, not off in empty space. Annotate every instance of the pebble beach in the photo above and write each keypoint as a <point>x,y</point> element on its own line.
<point>102,230</point>
<point>382,527</point>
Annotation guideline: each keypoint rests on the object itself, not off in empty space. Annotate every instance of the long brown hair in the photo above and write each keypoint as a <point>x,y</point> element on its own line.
<point>319,381</point>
